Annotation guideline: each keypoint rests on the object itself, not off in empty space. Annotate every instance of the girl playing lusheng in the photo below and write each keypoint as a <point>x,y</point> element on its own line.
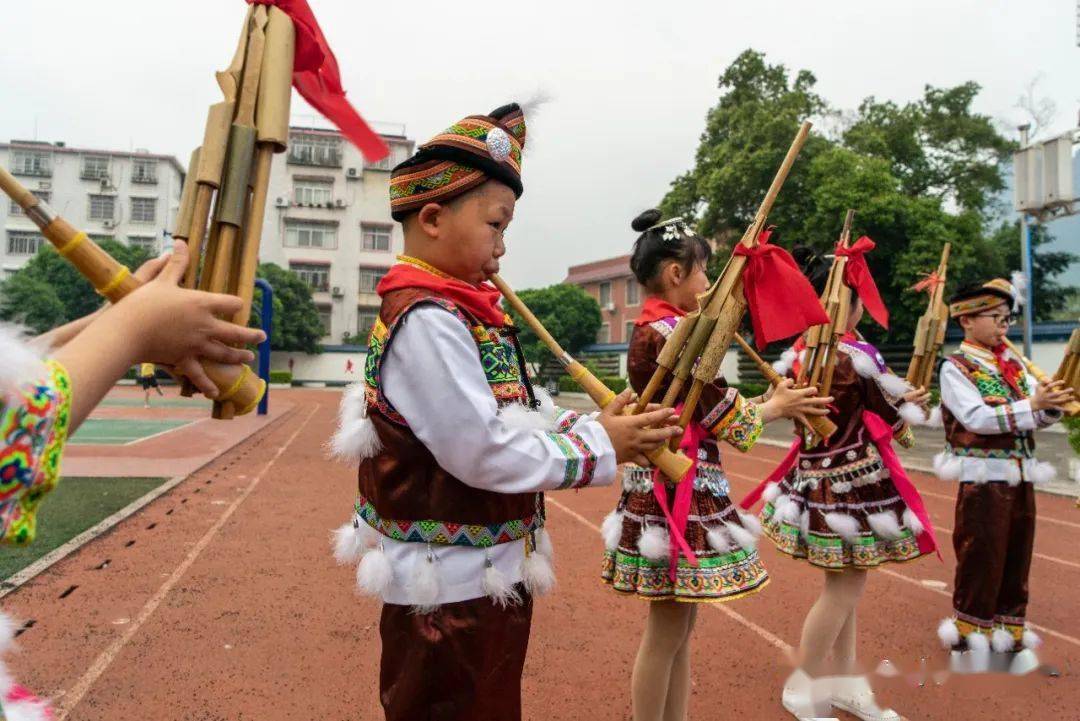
<point>718,560</point>
<point>846,505</point>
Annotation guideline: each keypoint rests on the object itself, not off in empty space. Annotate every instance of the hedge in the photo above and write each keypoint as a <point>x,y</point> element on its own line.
<point>281,377</point>
<point>569,385</point>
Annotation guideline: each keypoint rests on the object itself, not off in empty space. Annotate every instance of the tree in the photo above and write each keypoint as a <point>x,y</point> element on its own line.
<point>571,315</point>
<point>32,303</point>
<point>296,324</point>
<point>1051,298</point>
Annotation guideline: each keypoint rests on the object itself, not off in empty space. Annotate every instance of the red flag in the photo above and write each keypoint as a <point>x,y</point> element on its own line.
<point>318,80</point>
<point>782,302</point>
<point>857,277</point>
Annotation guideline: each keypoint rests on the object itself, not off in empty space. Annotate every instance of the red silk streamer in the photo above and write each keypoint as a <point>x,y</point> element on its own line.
<point>677,514</point>
<point>929,282</point>
<point>482,300</point>
<point>781,300</point>
<point>857,277</point>
<point>318,80</point>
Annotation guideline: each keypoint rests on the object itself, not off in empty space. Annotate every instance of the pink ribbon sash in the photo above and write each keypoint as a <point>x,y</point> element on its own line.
<point>677,514</point>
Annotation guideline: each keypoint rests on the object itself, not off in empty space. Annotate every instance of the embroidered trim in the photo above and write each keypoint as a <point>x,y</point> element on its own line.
<point>579,456</point>
<point>444,532</point>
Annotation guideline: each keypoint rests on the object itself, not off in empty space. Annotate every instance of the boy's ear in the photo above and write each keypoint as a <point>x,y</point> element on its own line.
<point>429,219</point>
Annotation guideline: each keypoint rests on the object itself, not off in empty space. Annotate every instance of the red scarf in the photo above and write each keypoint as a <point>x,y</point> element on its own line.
<point>1011,370</point>
<point>482,301</point>
<point>656,309</point>
<point>857,277</point>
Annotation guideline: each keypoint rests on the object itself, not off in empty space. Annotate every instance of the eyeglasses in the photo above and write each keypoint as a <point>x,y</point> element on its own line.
<point>1000,318</point>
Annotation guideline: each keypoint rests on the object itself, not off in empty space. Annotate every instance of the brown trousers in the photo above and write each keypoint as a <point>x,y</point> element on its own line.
<point>993,540</point>
<point>461,662</point>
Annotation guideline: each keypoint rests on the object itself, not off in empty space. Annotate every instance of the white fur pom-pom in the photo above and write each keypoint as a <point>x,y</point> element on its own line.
<point>355,440</point>
<point>353,404</point>
<point>913,523</point>
<point>1013,475</point>
<point>1019,283</point>
<point>424,585</point>
<point>537,574</point>
<point>771,493</point>
<point>780,507</point>
<point>654,543</point>
<point>751,524</point>
<point>374,574</point>
<point>8,627</point>
<point>894,385</point>
<point>544,544</point>
<point>611,529</point>
<point>885,525</point>
<point>791,512</point>
<point>980,473</point>
<point>843,525</point>
<point>518,416</point>
<point>28,710</point>
<point>865,365</point>
<point>785,362</point>
<point>1043,472</point>
<point>1002,641</point>
<point>935,420</point>
<point>948,633</point>
<point>1030,639</point>
<point>978,642</point>
<point>718,540</point>
<point>947,467</point>
<point>22,360</point>
<point>497,586</point>
<point>804,523</point>
<point>348,543</point>
<point>912,414</point>
<point>741,536</point>
<point>547,407</point>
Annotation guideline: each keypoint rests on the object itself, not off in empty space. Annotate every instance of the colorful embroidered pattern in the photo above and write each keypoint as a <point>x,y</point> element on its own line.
<point>415,188</point>
<point>735,420</point>
<point>721,577</point>
<point>446,533</point>
<point>580,459</point>
<point>34,433</point>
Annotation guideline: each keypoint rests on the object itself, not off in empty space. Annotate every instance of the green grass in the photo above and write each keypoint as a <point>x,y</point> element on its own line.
<point>115,431</point>
<point>75,505</point>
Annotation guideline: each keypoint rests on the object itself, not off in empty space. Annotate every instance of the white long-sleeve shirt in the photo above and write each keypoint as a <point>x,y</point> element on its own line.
<point>432,378</point>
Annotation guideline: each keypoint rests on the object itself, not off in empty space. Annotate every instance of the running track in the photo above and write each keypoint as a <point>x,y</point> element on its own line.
<point>219,600</point>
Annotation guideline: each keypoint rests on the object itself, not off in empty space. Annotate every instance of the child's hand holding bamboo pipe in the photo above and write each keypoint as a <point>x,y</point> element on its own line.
<point>633,436</point>
<point>919,397</point>
<point>787,401</point>
<point>1051,395</point>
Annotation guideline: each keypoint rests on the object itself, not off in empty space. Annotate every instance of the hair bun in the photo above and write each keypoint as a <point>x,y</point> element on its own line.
<point>646,220</point>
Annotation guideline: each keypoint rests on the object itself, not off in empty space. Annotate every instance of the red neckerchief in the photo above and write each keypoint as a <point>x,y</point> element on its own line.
<point>1011,370</point>
<point>656,308</point>
<point>482,301</point>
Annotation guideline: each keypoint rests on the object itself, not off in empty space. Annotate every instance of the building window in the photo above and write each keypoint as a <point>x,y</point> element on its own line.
<point>369,279</point>
<point>144,171</point>
<point>100,238</point>
<point>365,320</point>
<point>31,162</point>
<point>322,150</point>
<point>398,153</point>
<point>95,167</point>
<point>42,195</point>
<point>605,294</point>
<point>633,292</point>
<point>629,331</point>
<point>146,242</point>
<point>324,318</point>
<point>300,234</point>
<point>375,237</point>
<point>23,242</point>
<point>102,207</point>
<point>315,275</point>
<point>604,334</point>
<point>143,210</point>
<point>313,192</point>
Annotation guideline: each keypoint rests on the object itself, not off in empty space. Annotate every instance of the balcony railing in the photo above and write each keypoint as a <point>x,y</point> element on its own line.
<point>322,158</point>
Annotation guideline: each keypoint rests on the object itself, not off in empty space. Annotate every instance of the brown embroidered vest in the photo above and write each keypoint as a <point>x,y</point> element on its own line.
<point>995,392</point>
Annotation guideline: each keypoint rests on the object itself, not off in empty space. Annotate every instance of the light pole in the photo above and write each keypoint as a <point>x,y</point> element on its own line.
<point>1025,259</point>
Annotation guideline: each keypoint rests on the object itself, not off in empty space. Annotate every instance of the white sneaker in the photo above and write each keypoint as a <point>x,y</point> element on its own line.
<point>1024,662</point>
<point>854,695</point>
<point>805,698</point>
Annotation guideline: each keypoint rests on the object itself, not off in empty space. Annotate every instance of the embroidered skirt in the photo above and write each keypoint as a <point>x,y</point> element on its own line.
<point>847,516</point>
<point>723,541</point>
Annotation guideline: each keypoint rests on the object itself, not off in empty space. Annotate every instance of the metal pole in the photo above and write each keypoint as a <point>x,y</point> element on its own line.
<point>267,307</point>
<point>1025,258</point>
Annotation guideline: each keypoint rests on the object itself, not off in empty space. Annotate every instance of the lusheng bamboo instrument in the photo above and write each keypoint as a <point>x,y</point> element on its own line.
<point>1069,370</point>
<point>821,425</point>
<point>700,340</point>
<point>236,384</point>
<point>673,465</point>
<point>1071,408</point>
<point>930,331</point>
<point>230,172</point>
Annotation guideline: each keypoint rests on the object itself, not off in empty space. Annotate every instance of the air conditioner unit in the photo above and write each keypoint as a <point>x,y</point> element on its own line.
<point>352,173</point>
<point>109,224</point>
<point>339,203</point>
<point>337,292</point>
<point>610,307</point>
<point>104,181</point>
<point>44,185</point>
<point>281,202</point>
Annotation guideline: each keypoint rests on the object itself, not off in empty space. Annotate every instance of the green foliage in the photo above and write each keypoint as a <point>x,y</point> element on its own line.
<point>1072,425</point>
<point>296,324</point>
<point>751,389</point>
<point>569,385</point>
<point>31,302</point>
<point>571,315</point>
<point>1051,298</point>
<point>280,377</point>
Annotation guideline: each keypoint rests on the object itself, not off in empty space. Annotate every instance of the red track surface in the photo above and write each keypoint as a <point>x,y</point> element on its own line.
<point>220,601</point>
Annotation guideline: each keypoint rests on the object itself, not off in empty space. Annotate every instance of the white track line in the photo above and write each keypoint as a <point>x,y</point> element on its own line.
<point>1053,559</point>
<point>72,698</point>
<point>769,636</point>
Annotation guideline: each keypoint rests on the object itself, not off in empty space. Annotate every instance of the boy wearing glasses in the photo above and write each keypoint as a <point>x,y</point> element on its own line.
<point>991,408</point>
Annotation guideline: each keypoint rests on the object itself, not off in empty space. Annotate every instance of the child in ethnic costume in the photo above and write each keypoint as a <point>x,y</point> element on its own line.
<point>455,448</point>
<point>990,407</point>
<point>846,504</point>
<point>43,400</point>
<point>671,543</point>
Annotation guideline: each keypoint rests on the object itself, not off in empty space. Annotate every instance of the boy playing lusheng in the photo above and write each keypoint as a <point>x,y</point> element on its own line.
<point>990,407</point>
<point>454,448</point>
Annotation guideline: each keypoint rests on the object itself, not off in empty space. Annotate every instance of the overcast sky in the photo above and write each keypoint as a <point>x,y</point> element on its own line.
<point>630,81</point>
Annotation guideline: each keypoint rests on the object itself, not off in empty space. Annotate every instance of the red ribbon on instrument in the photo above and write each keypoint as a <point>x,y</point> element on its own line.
<point>930,281</point>
<point>317,78</point>
<point>857,277</point>
<point>781,300</point>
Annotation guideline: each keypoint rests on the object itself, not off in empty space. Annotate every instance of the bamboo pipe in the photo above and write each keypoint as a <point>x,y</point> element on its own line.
<point>700,328</point>
<point>821,425</point>
<point>930,331</point>
<point>673,465</point>
<point>1072,408</point>
<point>114,281</point>
<point>182,229</point>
